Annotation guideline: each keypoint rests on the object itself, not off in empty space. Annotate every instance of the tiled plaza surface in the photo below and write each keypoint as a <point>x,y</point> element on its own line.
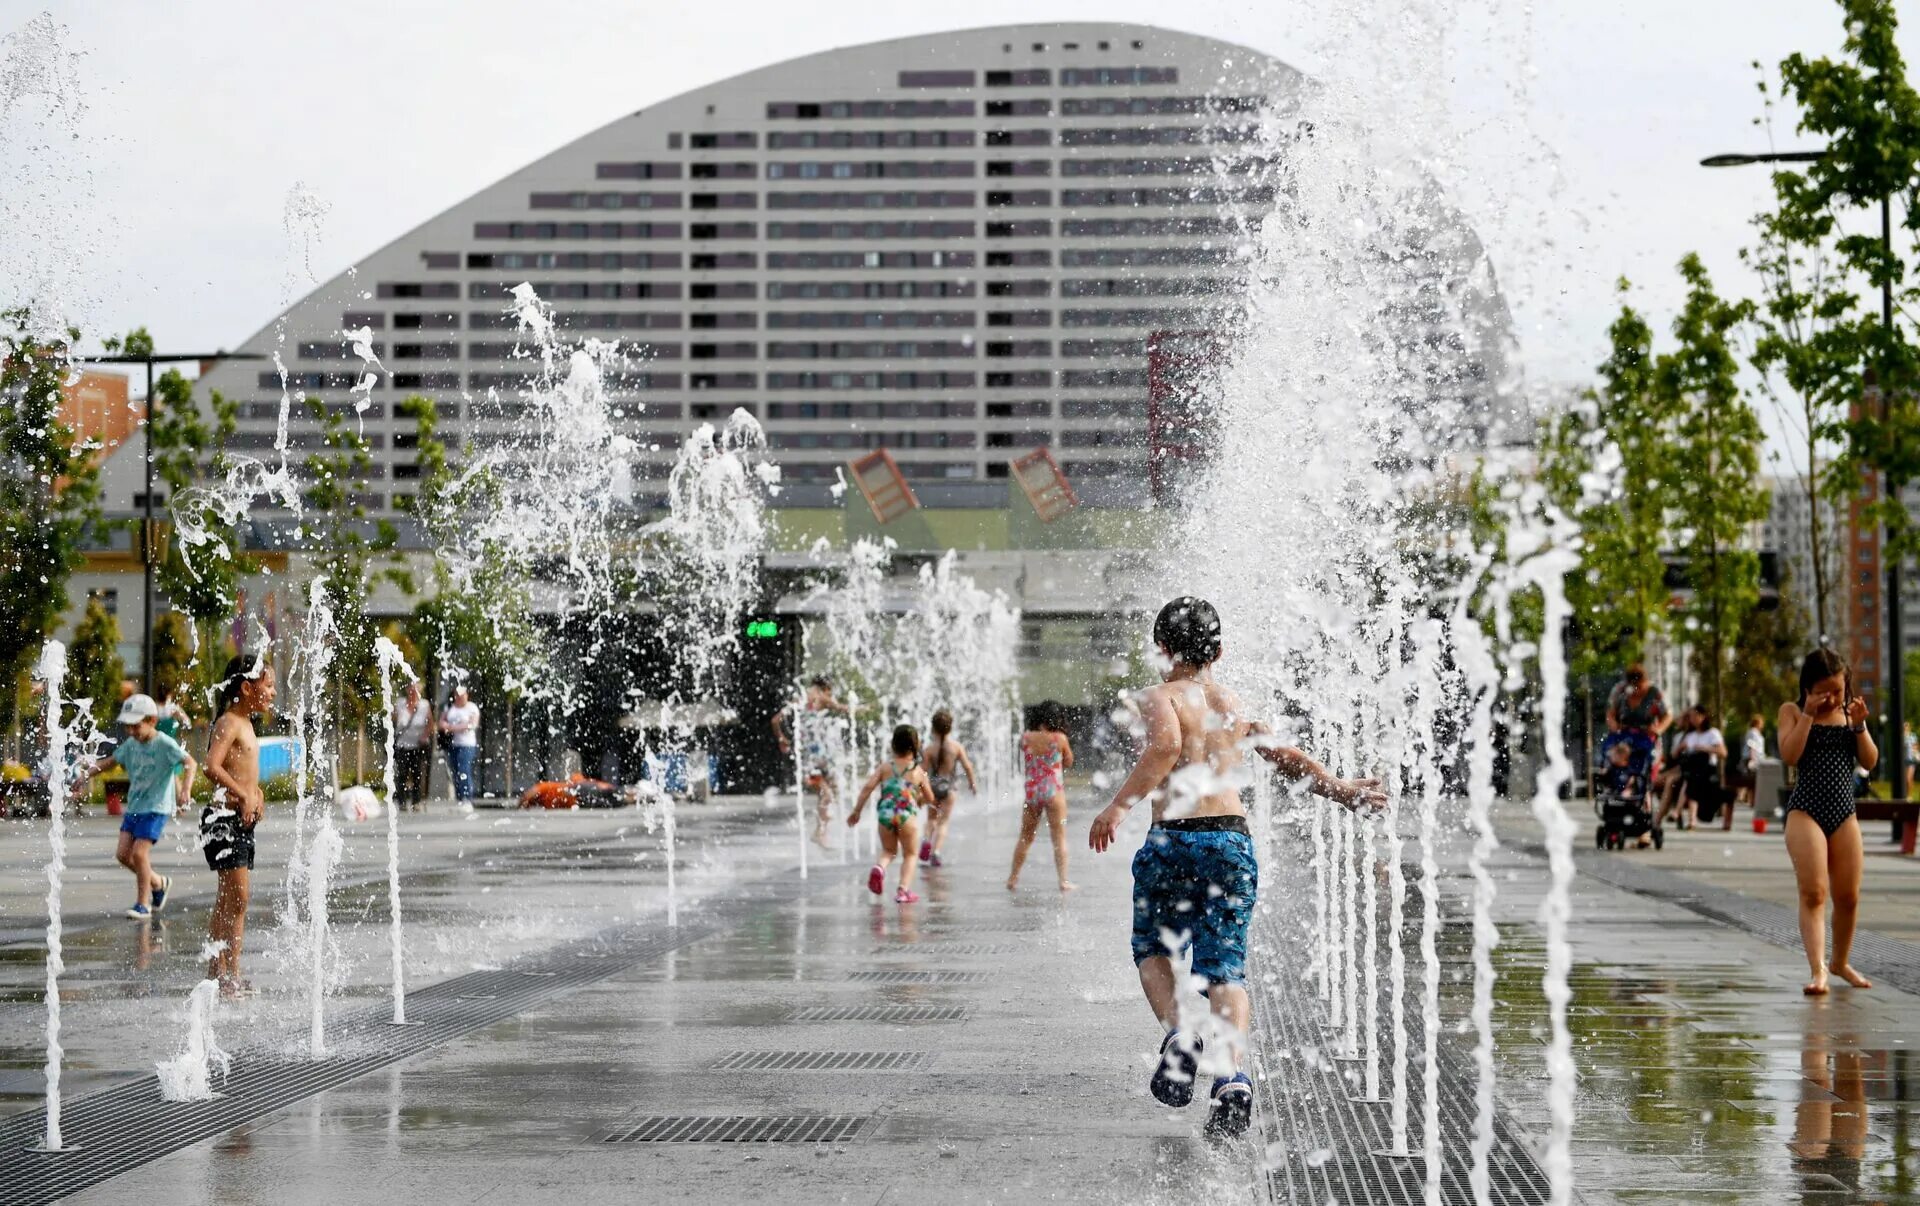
<point>980,1046</point>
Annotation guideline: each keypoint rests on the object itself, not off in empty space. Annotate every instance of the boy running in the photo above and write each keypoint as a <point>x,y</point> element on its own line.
<point>1196,879</point>
<point>159,780</point>
<point>226,825</point>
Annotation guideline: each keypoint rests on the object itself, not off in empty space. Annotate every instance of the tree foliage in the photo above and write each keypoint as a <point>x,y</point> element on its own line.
<point>49,495</point>
<point>347,551</point>
<point>1715,493</point>
<point>94,666</point>
<point>1867,116</point>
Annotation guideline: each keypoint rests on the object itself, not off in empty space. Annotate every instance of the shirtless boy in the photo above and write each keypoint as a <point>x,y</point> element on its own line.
<point>1196,879</point>
<point>226,825</point>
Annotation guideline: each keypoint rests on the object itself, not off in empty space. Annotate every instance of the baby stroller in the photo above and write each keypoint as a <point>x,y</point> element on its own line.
<point>1622,800</point>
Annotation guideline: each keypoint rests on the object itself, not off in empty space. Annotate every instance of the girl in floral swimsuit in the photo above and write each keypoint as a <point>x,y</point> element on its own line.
<point>1047,754</point>
<point>903,789</point>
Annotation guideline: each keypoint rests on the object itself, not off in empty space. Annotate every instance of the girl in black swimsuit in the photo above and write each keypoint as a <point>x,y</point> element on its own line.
<point>1825,735</point>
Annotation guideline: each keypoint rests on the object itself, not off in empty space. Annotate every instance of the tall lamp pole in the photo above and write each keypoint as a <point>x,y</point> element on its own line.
<point>146,529</point>
<point>1894,752</point>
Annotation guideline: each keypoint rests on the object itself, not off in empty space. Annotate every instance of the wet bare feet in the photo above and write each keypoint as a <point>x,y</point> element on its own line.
<point>1013,885</point>
<point>820,838</point>
<point>1816,987</point>
<point>1845,972</point>
<point>1068,886</point>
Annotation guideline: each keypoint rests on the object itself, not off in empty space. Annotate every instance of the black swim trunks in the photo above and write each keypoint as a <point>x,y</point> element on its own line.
<point>227,843</point>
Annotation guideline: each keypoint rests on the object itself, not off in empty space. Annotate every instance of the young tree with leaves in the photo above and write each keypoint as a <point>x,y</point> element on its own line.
<point>49,497</point>
<point>94,666</point>
<point>1619,596</point>
<point>344,545</point>
<point>1715,491</point>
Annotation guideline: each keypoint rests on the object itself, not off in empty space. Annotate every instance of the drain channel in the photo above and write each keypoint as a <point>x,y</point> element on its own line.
<point>918,977</point>
<point>792,1128</point>
<point>822,1061</point>
<point>128,1125</point>
<point>879,1013</point>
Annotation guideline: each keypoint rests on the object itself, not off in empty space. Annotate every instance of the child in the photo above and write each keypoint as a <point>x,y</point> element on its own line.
<point>1622,779</point>
<point>903,789</point>
<point>1824,733</point>
<point>246,689</point>
<point>945,759</point>
<point>1195,879</point>
<point>159,780</point>
<point>816,754</point>
<point>1047,754</point>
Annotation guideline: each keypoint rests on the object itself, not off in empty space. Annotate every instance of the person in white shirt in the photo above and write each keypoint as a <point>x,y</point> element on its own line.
<point>412,748</point>
<point>1699,751</point>
<point>460,721</point>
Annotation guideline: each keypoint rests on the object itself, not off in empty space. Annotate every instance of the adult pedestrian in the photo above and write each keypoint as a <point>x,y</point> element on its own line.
<point>460,721</point>
<point>1753,750</point>
<point>412,748</point>
<point>1637,714</point>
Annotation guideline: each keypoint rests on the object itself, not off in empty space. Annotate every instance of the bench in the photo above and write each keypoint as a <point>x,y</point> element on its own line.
<point>1907,812</point>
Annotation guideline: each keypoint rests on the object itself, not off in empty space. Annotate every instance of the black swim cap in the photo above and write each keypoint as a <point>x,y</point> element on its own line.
<point>1189,629</point>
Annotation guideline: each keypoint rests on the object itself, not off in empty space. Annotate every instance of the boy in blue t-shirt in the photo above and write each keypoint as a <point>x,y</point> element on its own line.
<point>156,785</point>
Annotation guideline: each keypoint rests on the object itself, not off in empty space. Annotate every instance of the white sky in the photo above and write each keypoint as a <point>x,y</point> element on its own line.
<point>202,114</point>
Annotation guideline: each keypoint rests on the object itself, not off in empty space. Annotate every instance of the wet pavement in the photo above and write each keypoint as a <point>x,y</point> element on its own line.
<point>979,1046</point>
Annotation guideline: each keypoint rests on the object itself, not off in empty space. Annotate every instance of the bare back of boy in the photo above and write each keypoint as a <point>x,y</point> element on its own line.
<point>1193,763</point>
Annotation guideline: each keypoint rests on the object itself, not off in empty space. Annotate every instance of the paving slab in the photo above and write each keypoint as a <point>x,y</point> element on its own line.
<point>978,1047</point>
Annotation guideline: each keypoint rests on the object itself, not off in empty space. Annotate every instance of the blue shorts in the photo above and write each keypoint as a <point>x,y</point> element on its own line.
<point>1196,890</point>
<point>144,826</point>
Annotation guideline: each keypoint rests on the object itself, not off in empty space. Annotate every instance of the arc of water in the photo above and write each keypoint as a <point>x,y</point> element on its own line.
<point>1547,568</point>
<point>1431,766</point>
<point>1370,828</point>
<point>390,659</point>
<point>1475,657</point>
<point>52,671</point>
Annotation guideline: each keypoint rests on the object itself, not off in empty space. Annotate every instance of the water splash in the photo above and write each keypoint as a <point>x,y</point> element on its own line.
<point>52,672</point>
<point>189,1075</point>
<point>392,661</point>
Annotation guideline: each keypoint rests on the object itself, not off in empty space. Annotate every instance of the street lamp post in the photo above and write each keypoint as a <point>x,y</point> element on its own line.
<point>146,529</point>
<point>1894,753</point>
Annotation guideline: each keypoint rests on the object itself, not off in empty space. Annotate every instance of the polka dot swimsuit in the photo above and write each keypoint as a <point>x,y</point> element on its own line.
<point>1824,790</point>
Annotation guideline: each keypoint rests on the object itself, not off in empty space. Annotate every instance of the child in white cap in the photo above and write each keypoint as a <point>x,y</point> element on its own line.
<point>154,763</point>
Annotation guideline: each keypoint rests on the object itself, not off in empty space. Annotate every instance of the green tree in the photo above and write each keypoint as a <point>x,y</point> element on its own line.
<point>49,496</point>
<point>1805,374</point>
<point>479,619</point>
<point>1715,495</point>
<point>1867,115</point>
<point>94,667</point>
<point>1621,434</point>
<point>345,547</point>
<point>1765,669</point>
<point>176,662</point>
<point>190,454</point>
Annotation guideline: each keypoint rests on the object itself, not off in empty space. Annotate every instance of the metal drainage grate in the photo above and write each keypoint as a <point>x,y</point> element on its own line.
<point>128,1125</point>
<point>879,1013</point>
<point>918,977</point>
<point>945,950</point>
<point>792,1128</point>
<point>822,1061</point>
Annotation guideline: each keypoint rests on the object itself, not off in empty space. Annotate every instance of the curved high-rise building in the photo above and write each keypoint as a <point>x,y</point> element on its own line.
<point>956,247</point>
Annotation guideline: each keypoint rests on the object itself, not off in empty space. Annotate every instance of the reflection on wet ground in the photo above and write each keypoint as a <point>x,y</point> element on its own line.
<point>1705,1076</point>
